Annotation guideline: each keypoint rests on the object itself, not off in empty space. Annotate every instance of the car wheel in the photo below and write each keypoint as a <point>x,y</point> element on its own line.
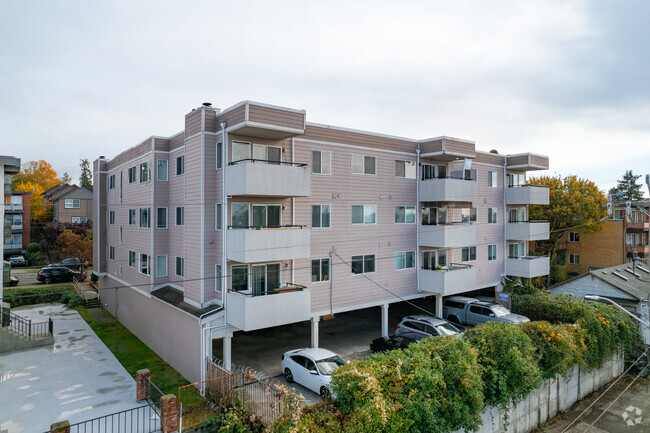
<point>454,319</point>
<point>48,280</point>
<point>324,392</point>
<point>288,375</point>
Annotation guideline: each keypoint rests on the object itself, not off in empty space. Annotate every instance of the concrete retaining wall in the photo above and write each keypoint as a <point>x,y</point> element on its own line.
<point>10,341</point>
<point>553,396</point>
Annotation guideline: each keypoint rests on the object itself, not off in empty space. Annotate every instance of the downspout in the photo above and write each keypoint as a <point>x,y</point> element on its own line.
<point>505,215</point>
<point>202,250</point>
<point>418,215</point>
<point>224,219</point>
<point>293,214</point>
<point>151,214</point>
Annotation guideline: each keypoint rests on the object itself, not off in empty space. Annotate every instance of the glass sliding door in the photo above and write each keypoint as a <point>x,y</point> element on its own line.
<point>274,155</point>
<point>259,216</point>
<point>265,278</point>
<point>240,151</point>
<point>273,214</point>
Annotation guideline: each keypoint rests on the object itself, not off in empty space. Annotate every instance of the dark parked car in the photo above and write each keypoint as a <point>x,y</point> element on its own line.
<point>392,342</point>
<point>73,263</point>
<point>54,275</point>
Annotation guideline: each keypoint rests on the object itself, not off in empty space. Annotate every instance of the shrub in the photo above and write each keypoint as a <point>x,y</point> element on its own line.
<point>559,347</point>
<point>507,359</point>
<point>71,299</point>
<point>231,420</point>
<point>323,417</point>
<point>37,295</point>
<point>94,277</point>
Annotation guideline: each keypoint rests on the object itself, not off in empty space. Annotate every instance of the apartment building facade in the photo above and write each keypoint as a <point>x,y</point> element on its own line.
<point>17,220</point>
<point>625,234</point>
<point>252,217</point>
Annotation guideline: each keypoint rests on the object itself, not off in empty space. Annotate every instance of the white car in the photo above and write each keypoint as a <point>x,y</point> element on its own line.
<point>311,368</point>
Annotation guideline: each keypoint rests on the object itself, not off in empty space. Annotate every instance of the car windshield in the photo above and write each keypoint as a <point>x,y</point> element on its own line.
<point>328,365</point>
<point>500,310</point>
<point>447,329</point>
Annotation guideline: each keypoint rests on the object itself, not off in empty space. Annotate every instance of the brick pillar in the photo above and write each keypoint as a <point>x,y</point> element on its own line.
<point>60,427</point>
<point>143,385</point>
<point>168,413</point>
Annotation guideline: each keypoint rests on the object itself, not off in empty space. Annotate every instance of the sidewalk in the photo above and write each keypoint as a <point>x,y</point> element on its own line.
<point>630,413</point>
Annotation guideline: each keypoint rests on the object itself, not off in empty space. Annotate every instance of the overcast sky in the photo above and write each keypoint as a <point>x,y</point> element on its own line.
<point>568,79</point>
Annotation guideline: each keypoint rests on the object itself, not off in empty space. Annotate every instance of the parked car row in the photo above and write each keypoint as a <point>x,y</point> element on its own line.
<point>60,274</point>
<point>312,368</point>
<point>470,311</point>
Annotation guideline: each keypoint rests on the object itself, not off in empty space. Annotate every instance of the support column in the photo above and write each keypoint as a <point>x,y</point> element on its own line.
<point>60,427</point>
<point>439,306</point>
<point>227,353</point>
<point>384,320</point>
<point>142,385</point>
<point>314,331</point>
<point>168,414</point>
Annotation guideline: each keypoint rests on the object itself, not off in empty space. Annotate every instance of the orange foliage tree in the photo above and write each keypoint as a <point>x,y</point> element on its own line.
<point>36,177</point>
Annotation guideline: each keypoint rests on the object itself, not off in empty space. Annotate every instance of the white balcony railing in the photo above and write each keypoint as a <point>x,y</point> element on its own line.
<point>448,281</point>
<point>527,231</point>
<point>527,266</point>
<point>527,194</point>
<point>447,189</point>
<point>267,244</point>
<point>262,178</point>
<point>448,235</point>
<point>289,305</point>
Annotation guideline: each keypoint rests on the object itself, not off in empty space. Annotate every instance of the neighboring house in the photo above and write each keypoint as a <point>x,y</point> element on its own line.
<point>70,203</point>
<point>614,245</point>
<point>252,218</point>
<point>624,284</point>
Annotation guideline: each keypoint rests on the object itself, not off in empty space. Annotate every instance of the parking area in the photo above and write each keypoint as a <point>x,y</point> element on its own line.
<point>77,379</point>
<point>347,334</point>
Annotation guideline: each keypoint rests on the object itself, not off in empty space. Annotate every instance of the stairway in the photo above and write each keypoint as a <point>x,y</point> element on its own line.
<point>92,303</point>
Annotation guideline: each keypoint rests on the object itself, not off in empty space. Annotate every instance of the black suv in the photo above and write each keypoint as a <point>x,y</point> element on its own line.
<point>53,275</point>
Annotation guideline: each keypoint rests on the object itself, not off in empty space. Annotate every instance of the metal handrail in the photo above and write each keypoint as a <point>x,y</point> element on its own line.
<point>448,177</point>
<point>527,184</point>
<point>26,328</point>
<point>268,161</point>
<point>289,287</point>
<point>286,226</point>
<point>527,221</point>
<point>449,267</point>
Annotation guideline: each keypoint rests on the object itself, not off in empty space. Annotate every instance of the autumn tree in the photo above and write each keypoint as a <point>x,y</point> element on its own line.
<point>71,244</point>
<point>628,187</point>
<point>36,177</point>
<point>86,177</point>
<point>573,203</point>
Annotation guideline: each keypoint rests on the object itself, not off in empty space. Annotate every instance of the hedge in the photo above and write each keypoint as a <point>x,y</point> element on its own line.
<point>64,294</point>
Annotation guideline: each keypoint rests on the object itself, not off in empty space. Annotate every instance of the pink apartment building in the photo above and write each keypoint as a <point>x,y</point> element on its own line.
<point>252,218</point>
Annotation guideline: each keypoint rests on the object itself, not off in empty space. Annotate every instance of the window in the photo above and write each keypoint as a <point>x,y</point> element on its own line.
<point>434,259</point>
<point>362,164</point>
<point>469,254</point>
<point>434,215</point>
<point>239,277</point>
<point>180,215</point>
<point>111,217</point>
<point>267,154</point>
<point>492,215</point>
<point>131,174</point>
<point>363,264</point>
<point>145,172</point>
<point>265,278</point>
<point>492,252</point>
<point>144,264</point>
<point>320,216</point>
<point>180,165</point>
<point>405,214</point>
<point>492,179</point>
<point>120,234</point>
<point>217,278</point>
<point>131,217</point>
<point>161,220</point>
<point>364,214</point>
<point>144,218</point>
<point>217,216</point>
<point>79,220</point>
<point>121,182</point>
<point>574,259</point>
<point>240,151</point>
<point>111,253</point>
<point>404,259</point>
<point>320,270</point>
<point>111,181</point>
<point>468,214</point>
<point>516,250</point>
<point>321,161</point>
<point>517,215</point>
<point>132,258</point>
<point>405,169</point>
<point>180,266</point>
<point>430,171</point>
<point>574,237</point>
<point>516,179</point>
<point>72,203</point>
<point>470,174</point>
<point>239,215</point>
<point>219,155</point>
<point>267,215</point>
<point>161,170</point>
<point>618,214</point>
<point>161,266</point>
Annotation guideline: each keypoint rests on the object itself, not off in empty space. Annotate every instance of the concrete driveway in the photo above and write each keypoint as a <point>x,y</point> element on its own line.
<point>77,379</point>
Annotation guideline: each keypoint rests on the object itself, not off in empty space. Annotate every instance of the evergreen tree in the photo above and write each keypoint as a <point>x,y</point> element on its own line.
<point>628,186</point>
<point>86,177</point>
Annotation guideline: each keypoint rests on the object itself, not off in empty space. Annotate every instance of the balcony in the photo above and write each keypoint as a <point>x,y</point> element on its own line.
<point>447,189</point>
<point>256,177</point>
<point>527,231</point>
<point>641,250</point>
<point>13,207</point>
<point>527,266</point>
<point>16,228</point>
<point>452,280</point>
<point>13,247</point>
<point>250,245</point>
<point>638,226</point>
<point>527,194</point>
<point>286,305</point>
<point>447,235</point>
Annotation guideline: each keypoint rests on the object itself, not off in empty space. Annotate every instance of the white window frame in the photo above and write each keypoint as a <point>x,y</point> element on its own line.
<point>133,217</point>
<point>180,165</point>
<point>121,234</point>
<point>574,237</point>
<point>493,252</point>
<point>521,249</point>
<point>217,278</point>
<point>320,219</point>
<point>79,220</point>
<point>409,168</point>
<point>165,178</point>
<point>402,255</point>
<point>182,218</point>
<point>132,258</point>
<point>364,206</point>
<point>574,259</point>
<point>72,203</point>
<point>218,209</point>
<point>158,226</point>
<point>363,164</point>
<point>406,207</point>
<point>219,155</point>
<point>158,273</point>
<point>111,252</point>
<point>148,270</point>
<point>145,211</point>
<point>111,181</point>
<point>492,179</point>
<point>471,252</point>
<point>493,215</point>
<point>145,171</point>
<point>111,217</point>
<point>132,174</point>
<point>180,260</point>
<point>321,166</point>
<point>363,261</point>
<point>320,270</point>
